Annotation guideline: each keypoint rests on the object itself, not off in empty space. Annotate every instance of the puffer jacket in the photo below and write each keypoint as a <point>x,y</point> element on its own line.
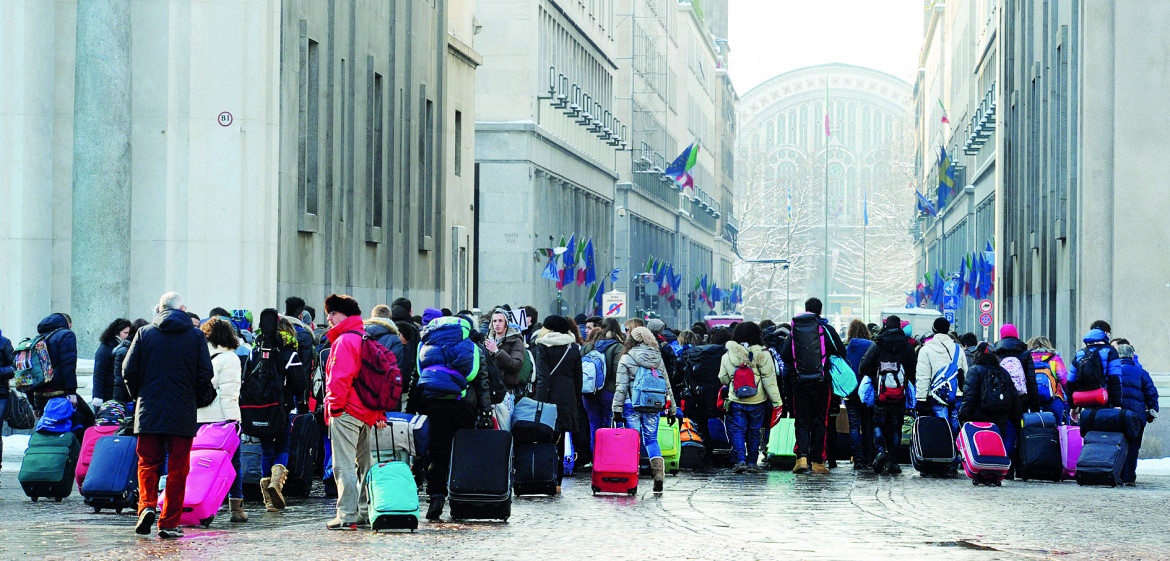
<point>119,355</point>
<point>103,371</point>
<point>972,408</point>
<point>1098,342</point>
<point>641,356</point>
<point>446,349</point>
<point>854,350</point>
<point>1011,346</point>
<point>385,332</point>
<point>344,363</point>
<point>226,379</point>
<point>1138,393</point>
<point>62,354</point>
<point>556,364</point>
<point>761,361</point>
<point>167,366</point>
<point>510,356</point>
<point>934,357</point>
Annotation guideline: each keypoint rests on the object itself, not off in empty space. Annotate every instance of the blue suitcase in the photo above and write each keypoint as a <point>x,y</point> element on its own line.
<point>1102,457</point>
<point>251,467</point>
<point>393,496</point>
<point>112,481</point>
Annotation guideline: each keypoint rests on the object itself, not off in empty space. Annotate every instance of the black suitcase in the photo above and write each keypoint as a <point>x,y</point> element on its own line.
<point>535,469</point>
<point>932,446</point>
<point>303,444</point>
<point>251,465</point>
<point>1110,420</point>
<point>1040,453</point>
<point>479,483</point>
<point>1102,457</point>
<point>112,481</point>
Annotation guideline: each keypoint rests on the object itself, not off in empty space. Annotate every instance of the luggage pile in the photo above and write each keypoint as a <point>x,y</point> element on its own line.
<point>536,459</point>
<point>1106,433</point>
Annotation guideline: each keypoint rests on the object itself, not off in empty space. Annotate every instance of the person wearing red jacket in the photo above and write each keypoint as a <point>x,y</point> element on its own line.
<point>349,420</point>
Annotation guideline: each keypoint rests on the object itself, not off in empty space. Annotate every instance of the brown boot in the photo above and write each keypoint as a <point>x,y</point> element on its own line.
<point>801,465</point>
<point>820,469</point>
<point>276,485</point>
<point>658,468</point>
<point>264,481</point>
<point>238,514</point>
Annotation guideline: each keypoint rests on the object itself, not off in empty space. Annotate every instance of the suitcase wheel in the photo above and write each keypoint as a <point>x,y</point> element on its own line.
<point>675,472</point>
<point>595,489</point>
<point>98,509</point>
<point>632,492</point>
<point>58,499</point>
<point>206,522</point>
<point>34,499</point>
<point>118,511</point>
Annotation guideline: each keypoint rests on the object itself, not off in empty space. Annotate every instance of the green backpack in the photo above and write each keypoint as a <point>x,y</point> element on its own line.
<point>31,364</point>
<point>526,369</point>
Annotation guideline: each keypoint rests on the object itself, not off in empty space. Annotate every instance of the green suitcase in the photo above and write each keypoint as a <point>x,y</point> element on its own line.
<point>47,469</point>
<point>393,496</point>
<point>781,451</point>
<point>669,442</point>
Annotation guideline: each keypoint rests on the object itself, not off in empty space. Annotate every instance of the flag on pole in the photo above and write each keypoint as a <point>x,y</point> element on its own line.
<point>568,263</point>
<point>963,276</point>
<point>944,112</point>
<point>946,178</point>
<point>924,205</point>
<point>613,276</point>
<point>599,289</point>
<point>865,207</point>
<point>680,168</point>
<point>550,271</point>
<point>827,107</point>
<point>587,275</point>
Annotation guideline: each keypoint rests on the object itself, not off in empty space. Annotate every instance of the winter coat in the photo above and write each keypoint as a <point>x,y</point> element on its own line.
<point>833,347</point>
<point>1011,346</point>
<point>62,354</point>
<point>761,361</point>
<point>670,365</point>
<point>446,343</point>
<point>972,407</point>
<point>509,357</point>
<point>556,366</point>
<point>701,365</point>
<point>1138,393</point>
<point>935,356</point>
<point>854,351</point>
<point>641,356</point>
<point>119,355</point>
<point>7,357</point>
<point>306,343</point>
<point>344,363</point>
<point>226,379</point>
<point>103,371</point>
<point>1097,341</point>
<point>386,334</point>
<point>892,345</point>
<point>166,368</point>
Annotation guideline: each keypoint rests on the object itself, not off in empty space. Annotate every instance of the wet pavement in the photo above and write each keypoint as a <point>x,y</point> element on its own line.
<point>717,515</point>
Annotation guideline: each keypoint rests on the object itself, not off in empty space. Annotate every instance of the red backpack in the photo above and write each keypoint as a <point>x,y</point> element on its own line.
<point>379,381</point>
<point>743,381</point>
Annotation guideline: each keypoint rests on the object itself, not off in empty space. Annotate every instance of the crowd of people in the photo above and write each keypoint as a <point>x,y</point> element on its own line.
<point>177,372</point>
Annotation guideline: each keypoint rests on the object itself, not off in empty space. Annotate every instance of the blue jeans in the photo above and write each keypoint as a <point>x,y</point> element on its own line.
<point>743,426</point>
<point>887,429</point>
<point>597,408</point>
<point>860,430</point>
<point>948,412</point>
<point>237,489</point>
<point>647,425</point>
<point>1056,407</point>
<point>274,450</point>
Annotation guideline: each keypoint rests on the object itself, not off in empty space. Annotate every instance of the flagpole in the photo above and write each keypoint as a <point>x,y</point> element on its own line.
<point>864,271</point>
<point>826,193</point>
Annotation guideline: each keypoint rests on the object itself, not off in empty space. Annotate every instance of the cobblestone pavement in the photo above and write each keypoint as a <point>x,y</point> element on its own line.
<point>717,515</point>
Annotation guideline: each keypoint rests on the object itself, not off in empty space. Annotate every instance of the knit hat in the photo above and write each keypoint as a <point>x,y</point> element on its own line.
<point>644,336</point>
<point>656,325</point>
<point>558,324</point>
<point>1008,330</point>
<point>580,319</point>
<point>892,322</point>
<point>941,325</point>
<point>430,314</point>
<point>343,304</point>
<point>58,416</point>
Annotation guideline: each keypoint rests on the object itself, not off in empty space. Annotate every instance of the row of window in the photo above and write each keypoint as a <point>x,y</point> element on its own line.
<point>805,125</point>
<point>565,51</point>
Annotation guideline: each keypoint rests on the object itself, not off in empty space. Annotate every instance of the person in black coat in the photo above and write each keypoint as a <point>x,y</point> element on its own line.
<point>103,360</point>
<point>168,373</point>
<point>6,373</point>
<point>63,356</point>
<point>891,346</point>
<point>1004,417</point>
<point>1010,345</point>
<point>556,362</point>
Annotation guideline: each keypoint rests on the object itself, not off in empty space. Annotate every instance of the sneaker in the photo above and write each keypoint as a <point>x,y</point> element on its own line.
<point>894,468</point>
<point>860,465</point>
<point>170,533</point>
<point>339,524</point>
<point>740,467</point>
<point>879,462</point>
<point>753,468</point>
<point>146,519</point>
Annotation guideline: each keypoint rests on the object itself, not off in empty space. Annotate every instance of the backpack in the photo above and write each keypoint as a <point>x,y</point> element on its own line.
<point>891,383</point>
<point>495,380</point>
<point>31,364</point>
<point>997,388</point>
<point>1015,369</point>
<point>1090,371</point>
<point>744,381</point>
<point>808,348</point>
<point>648,392</point>
<point>379,381</point>
<point>525,373</point>
<point>1047,386</point>
<point>262,396</point>
<point>592,372</point>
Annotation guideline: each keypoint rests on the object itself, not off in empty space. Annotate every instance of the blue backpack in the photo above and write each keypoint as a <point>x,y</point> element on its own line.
<point>648,392</point>
<point>592,372</point>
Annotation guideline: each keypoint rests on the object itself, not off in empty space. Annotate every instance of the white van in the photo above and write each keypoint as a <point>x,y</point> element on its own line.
<point>921,319</point>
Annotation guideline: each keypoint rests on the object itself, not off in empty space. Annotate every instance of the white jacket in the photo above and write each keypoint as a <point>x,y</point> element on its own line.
<point>934,356</point>
<point>226,380</point>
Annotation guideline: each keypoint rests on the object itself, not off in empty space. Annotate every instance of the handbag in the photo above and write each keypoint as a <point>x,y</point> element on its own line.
<point>20,414</point>
<point>1091,398</point>
<point>844,379</point>
<point>206,396</point>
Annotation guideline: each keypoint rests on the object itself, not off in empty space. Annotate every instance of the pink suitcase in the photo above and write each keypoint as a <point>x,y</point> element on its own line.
<point>92,434</point>
<point>210,474</point>
<point>1070,449</point>
<point>985,459</point>
<point>615,461</point>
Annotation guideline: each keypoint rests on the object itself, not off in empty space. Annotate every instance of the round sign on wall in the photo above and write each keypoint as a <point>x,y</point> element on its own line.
<point>225,119</point>
<point>985,319</point>
<point>985,305</point>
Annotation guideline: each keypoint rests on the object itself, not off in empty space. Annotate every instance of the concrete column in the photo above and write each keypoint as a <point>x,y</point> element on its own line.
<point>1094,256</point>
<point>101,169</point>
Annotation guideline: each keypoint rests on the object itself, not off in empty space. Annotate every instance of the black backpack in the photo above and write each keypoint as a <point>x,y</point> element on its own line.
<point>809,352</point>
<point>1090,371</point>
<point>998,390</point>
<point>262,411</point>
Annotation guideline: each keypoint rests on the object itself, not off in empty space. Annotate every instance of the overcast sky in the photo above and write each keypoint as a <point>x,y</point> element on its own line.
<point>770,37</point>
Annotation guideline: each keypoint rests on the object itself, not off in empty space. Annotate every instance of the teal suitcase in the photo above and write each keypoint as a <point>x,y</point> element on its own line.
<point>393,496</point>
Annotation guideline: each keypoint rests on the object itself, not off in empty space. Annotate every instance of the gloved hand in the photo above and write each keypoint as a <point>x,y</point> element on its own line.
<point>670,418</point>
<point>1151,415</point>
<point>618,419</point>
<point>924,408</point>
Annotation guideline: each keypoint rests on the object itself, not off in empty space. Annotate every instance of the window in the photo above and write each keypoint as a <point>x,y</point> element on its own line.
<point>375,153</point>
<point>426,151</point>
<point>307,139</point>
<point>458,143</point>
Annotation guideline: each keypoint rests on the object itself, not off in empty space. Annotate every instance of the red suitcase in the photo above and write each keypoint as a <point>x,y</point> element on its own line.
<point>92,434</point>
<point>985,459</point>
<point>615,461</point>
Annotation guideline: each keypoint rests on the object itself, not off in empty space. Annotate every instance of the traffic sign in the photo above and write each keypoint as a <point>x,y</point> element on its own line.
<point>985,319</point>
<point>613,304</point>
<point>985,305</point>
<point>950,288</point>
<point>950,316</point>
